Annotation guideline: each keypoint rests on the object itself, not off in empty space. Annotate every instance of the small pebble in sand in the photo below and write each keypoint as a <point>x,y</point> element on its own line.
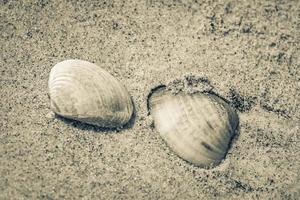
<point>83,91</point>
<point>50,115</point>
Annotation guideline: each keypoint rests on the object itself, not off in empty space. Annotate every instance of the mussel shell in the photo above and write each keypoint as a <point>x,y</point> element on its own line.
<point>83,91</point>
<point>198,127</point>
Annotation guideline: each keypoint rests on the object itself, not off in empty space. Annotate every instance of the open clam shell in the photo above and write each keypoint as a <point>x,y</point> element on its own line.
<point>198,127</point>
<point>83,91</point>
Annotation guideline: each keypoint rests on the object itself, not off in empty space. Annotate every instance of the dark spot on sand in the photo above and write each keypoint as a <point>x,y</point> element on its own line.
<point>241,103</point>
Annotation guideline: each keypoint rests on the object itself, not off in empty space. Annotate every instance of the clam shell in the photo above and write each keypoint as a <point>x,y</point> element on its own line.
<point>198,127</point>
<point>83,91</point>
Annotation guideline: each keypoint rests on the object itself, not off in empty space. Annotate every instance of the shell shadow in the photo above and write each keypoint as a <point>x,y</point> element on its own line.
<point>85,126</point>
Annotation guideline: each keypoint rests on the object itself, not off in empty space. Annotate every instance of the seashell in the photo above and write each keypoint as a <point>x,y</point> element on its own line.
<point>83,91</point>
<point>198,127</point>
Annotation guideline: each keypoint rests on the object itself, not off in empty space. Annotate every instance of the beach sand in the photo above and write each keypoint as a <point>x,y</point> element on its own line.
<point>250,52</point>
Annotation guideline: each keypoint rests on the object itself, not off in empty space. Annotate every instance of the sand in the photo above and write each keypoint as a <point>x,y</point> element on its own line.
<point>248,50</point>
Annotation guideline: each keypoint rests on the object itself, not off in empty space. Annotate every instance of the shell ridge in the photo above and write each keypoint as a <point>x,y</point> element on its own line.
<point>170,136</point>
<point>214,108</point>
<point>209,141</point>
<point>204,116</point>
<point>128,106</point>
<point>100,78</point>
<point>199,128</point>
<point>205,135</point>
<point>189,102</point>
<point>104,76</point>
<point>117,95</point>
<point>228,111</point>
<point>100,100</point>
<point>184,138</point>
<point>66,79</point>
<point>174,137</point>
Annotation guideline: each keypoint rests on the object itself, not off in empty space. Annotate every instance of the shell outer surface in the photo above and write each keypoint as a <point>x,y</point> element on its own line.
<point>83,91</point>
<point>197,127</point>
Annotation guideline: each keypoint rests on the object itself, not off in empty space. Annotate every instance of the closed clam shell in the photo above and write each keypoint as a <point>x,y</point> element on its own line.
<point>198,127</point>
<point>83,91</point>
